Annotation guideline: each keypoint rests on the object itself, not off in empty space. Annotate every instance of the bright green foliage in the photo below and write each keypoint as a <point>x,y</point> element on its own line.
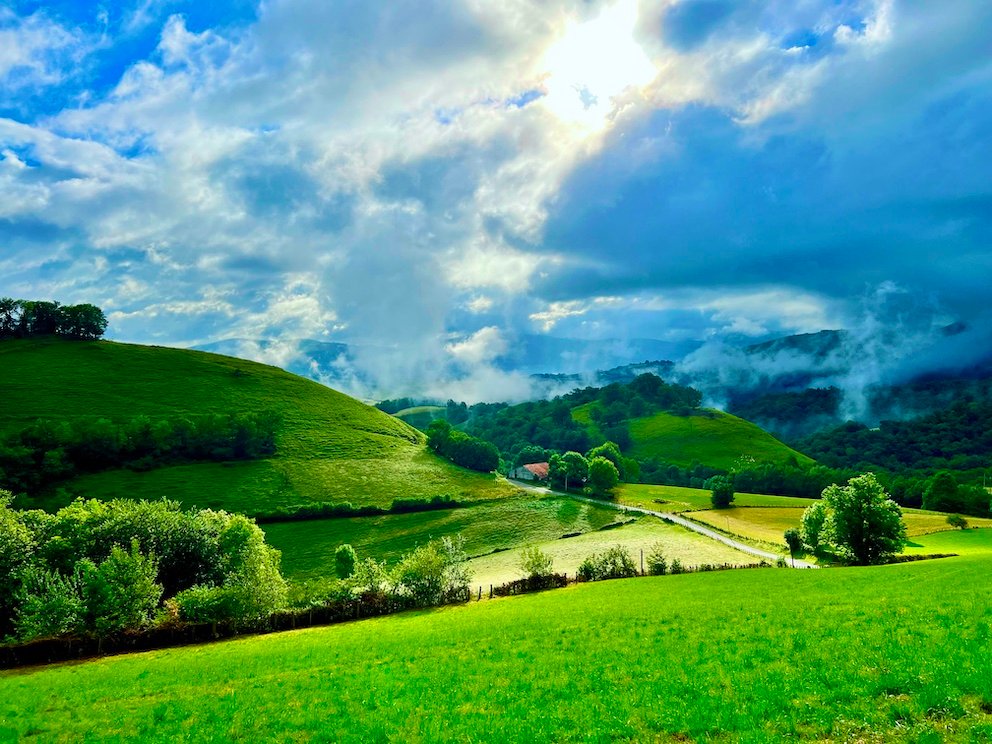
<point>49,605</point>
<point>17,546</point>
<point>794,540</point>
<point>434,573</point>
<point>344,561</point>
<point>121,592</point>
<point>569,470</point>
<point>656,562</point>
<point>673,652</point>
<point>814,521</point>
<point>535,563</point>
<point>721,491</point>
<point>603,476</point>
<point>611,452</point>
<point>864,526</point>
<point>612,563</point>
<point>462,449</point>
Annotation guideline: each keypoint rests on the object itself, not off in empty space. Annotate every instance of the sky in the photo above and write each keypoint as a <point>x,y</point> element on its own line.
<point>435,181</point>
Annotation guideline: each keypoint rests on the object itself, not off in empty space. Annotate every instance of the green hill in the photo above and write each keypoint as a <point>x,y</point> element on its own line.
<point>708,436</point>
<point>886,654</point>
<point>420,417</point>
<point>330,447</point>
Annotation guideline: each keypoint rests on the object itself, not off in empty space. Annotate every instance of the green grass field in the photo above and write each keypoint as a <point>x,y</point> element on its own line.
<point>308,547</point>
<point>769,523</point>
<point>713,438</point>
<point>330,447</point>
<point>892,654</point>
<point>420,417</point>
<point>680,498</point>
<point>690,548</point>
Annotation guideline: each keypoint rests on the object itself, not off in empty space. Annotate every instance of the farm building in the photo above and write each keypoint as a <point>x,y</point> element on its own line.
<point>535,471</point>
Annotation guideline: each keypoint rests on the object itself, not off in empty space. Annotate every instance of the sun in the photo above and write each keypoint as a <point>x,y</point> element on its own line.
<point>594,62</point>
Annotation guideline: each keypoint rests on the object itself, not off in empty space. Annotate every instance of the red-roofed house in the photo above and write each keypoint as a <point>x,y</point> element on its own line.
<point>535,471</point>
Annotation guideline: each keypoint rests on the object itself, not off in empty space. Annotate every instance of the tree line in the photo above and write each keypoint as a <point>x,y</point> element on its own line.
<point>461,448</point>
<point>46,452</point>
<point>27,318</point>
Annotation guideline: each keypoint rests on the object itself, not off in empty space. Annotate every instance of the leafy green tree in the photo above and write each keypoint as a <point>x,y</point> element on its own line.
<point>603,476</point>
<point>17,548</point>
<point>39,318</point>
<point>344,561</point>
<point>942,493</point>
<point>535,563</point>
<point>611,451</point>
<point>434,573</point>
<point>10,317</point>
<point>568,470</point>
<point>721,491</point>
<point>794,540</point>
<point>121,593</point>
<point>656,562</point>
<point>49,605</point>
<point>813,522</point>
<point>530,453</point>
<point>864,525</point>
<point>82,321</point>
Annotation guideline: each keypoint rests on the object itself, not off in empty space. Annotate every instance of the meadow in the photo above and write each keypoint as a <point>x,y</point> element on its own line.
<point>308,547</point>
<point>330,447</point>
<point>640,534</point>
<point>897,653</point>
<point>682,498</point>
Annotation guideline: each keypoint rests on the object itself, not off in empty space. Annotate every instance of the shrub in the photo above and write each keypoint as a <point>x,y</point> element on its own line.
<point>434,573</point>
<point>656,563</point>
<point>676,567</point>
<point>51,605</point>
<point>957,522</point>
<point>613,563</point>
<point>721,491</point>
<point>794,540</point>
<point>535,564</point>
<point>344,561</point>
<point>120,593</point>
<point>603,476</point>
<point>813,523</point>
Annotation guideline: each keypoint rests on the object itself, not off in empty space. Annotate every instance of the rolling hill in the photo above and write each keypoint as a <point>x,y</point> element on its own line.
<point>329,447</point>
<point>710,437</point>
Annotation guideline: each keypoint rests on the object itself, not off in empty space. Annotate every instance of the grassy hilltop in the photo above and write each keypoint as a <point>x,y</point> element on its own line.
<point>896,654</point>
<point>713,438</point>
<point>330,447</point>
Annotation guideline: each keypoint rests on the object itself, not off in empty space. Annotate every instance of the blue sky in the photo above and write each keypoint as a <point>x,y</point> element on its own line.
<point>437,179</point>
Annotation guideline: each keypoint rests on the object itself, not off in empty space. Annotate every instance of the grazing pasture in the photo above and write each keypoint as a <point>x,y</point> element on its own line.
<point>330,447</point>
<point>681,498</point>
<point>895,653</point>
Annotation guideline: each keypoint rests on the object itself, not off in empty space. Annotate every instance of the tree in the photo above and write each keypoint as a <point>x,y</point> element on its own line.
<point>39,318</point>
<point>656,562</point>
<point>82,321</point>
<point>864,526</point>
<point>957,522</point>
<point>794,540</point>
<point>530,453</point>
<point>120,593</point>
<point>535,564</point>
<point>10,317</point>
<point>721,491</point>
<point>344,561</point>
<point>611,451</point>
<point>813,521</point>
<point>942,493</point>
<point>603,476</point>
<point>570,469</point>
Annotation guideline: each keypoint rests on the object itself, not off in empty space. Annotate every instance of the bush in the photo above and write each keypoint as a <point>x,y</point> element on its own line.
<point>656,563</point>
<point>51,605</point>
<point>603,476</point>
<point>812,526</point>
<point>120,593</point>
<point>613,563</point>
<point>434,573</point>
<point>535,564</point>
<point>957,522</point>
<point>676,567</point>
<point>794,540</point>
<point>344,561</point>
<point>721,491</point>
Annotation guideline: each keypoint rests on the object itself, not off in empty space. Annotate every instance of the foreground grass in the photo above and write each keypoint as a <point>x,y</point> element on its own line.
<point>330,447</point>
<point>894,654</point>
<point>308,547</point>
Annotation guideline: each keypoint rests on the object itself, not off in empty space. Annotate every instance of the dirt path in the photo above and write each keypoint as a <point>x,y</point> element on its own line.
<point>673,519</point>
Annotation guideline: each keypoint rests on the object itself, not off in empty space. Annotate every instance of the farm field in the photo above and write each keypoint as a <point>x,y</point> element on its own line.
<point>690,548</point>
<point>659,659</point>
<point>768,524</point>
<point>330,447</point>
<point>681,498</point>
<point>308,546</point>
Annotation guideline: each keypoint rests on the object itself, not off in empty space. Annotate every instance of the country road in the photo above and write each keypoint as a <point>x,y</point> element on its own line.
<point>673,519</point>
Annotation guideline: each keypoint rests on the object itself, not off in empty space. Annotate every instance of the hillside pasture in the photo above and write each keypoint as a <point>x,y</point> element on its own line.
<point>682,498</point>
<point>711,437</point>
<point>420,417</point>
<point>769,523</point>
<point>329,447</point>
<point>690,548</point>
<point>896,654</point>
<point>308,547</point>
